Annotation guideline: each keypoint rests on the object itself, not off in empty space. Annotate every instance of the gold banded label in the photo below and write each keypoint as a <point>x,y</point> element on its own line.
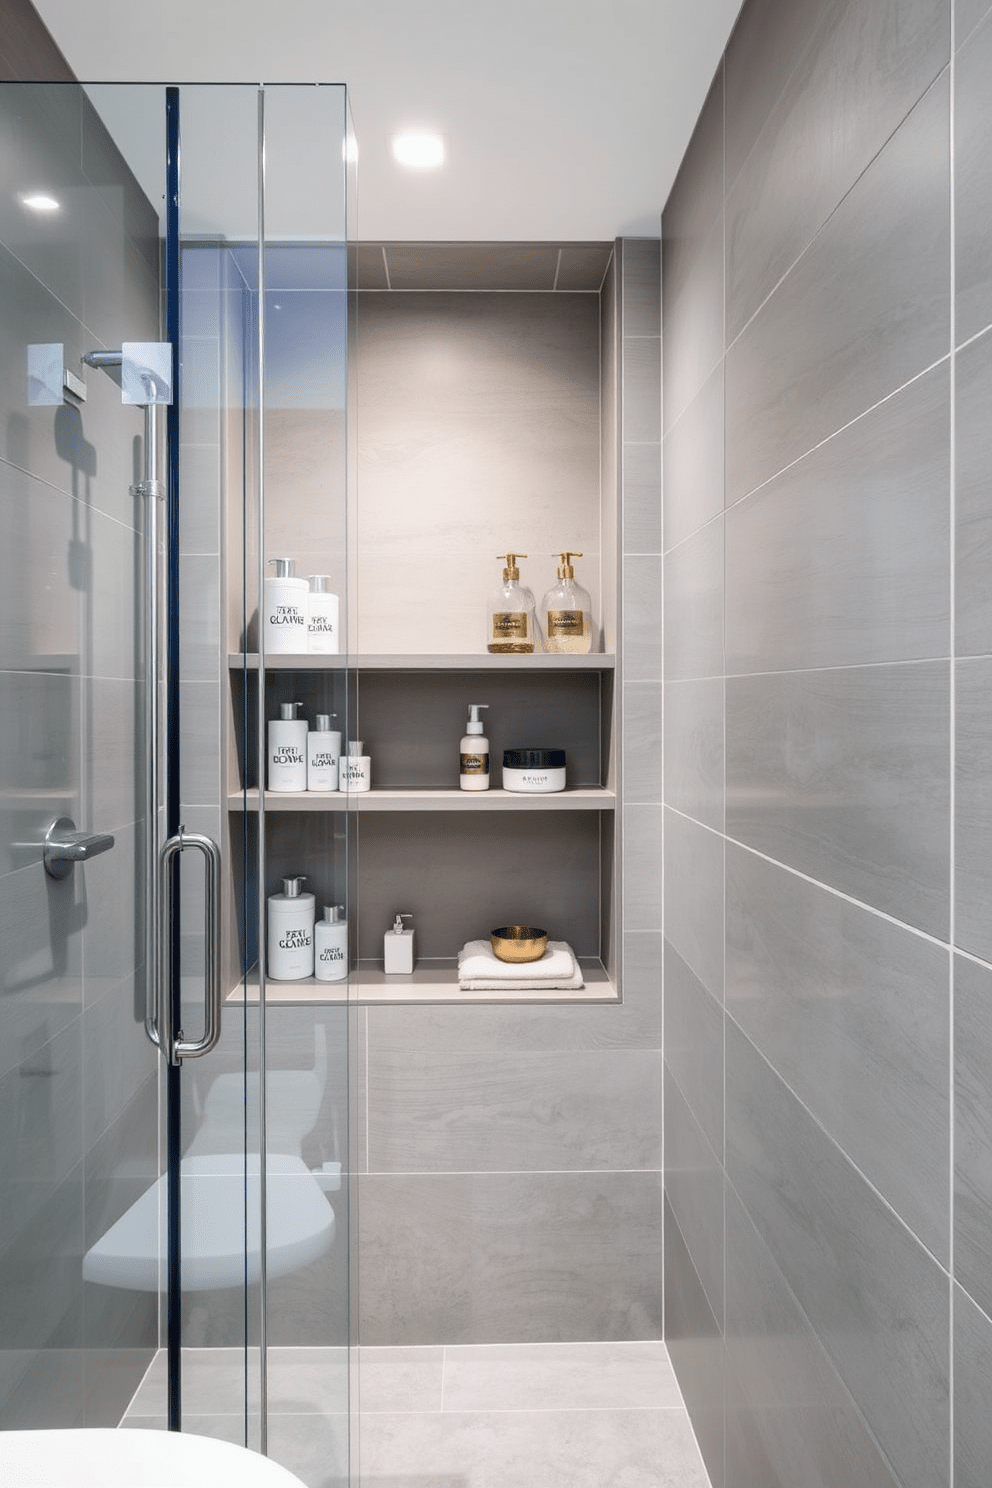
<point>566,623</point>
<point>510,625</point>
<point>475,764</point>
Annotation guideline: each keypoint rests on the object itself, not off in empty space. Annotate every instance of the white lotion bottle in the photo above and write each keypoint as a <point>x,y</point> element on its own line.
<point>323,754</point>
<point>285,606</point>
<point>473,767</point>
<point>397,948</point>
<point>355,771</point>
<point>291,916</point>
<point>322,626</point>
<point>331,945</point>
<point>287,751</point>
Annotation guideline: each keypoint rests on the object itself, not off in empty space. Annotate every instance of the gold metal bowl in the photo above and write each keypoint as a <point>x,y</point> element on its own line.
<point>518,943</point>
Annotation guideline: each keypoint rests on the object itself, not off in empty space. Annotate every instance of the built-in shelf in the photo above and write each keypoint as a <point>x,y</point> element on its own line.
<point>446,662</point>
<point>582,798</point>
<point>430,981</point>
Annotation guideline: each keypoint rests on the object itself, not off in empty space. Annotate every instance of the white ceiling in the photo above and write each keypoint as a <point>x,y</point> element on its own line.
<point>564,119</point>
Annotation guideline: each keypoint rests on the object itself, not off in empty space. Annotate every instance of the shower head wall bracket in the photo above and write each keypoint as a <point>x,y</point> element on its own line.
<point>145,373</point>
<point>50,383</point>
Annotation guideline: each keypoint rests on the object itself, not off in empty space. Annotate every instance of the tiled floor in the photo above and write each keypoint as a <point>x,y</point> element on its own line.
<point>540,1415</point>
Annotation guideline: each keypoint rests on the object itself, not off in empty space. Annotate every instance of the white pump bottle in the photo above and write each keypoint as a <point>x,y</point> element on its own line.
<point>473,772</point>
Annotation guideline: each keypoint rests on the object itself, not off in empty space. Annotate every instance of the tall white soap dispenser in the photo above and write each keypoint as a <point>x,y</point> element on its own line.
<point>290,920</point>
<point>288,750</point>
<point>397,948</point>
<point>331,945</point>
<point>355,769</point>
<point>473,765</point>
<point>286,606</point>
<point>323,754</point>
<point>323,621</point>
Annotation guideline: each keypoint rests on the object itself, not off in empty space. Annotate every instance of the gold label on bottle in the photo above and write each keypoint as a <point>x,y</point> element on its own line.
<point>566,622</point>
<point>475,764</point>
<point>510,625</point>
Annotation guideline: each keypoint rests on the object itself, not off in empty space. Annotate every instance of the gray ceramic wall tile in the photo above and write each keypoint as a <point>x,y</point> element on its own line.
<point>694,1047</point>
<point>582,270</point>
<point>844,776</point>
<point>843,559</point>
<point>40,1102</point>
<point>694,324</point>
<point>972,1372</point>
<point>200,486</point>
<point>790,1420</point>
<point>112,771</point>
<point>200,746</point>
<point>868,67</point>
<point>863,311</point>
<point>967,14</point>
<point>642,498</point>
<point>694,898</point>
<point>694,1183</point>
<point>462,1258</point>
<point>972,184</point>
<point>694,749</point>
<point>973,510</point>
<point>641,278</point>
<point>40,964</point>
<point>972,1129</point>
<point>642,741</point>
<point>696,199</point>
<point>852,1012</point>
<point>523,1112</point>
<point>111,894</point>
<point>876,1298</point>
<point>693,606</point>
<point>641,372</point>
<point>692,460</point>
<point>642,867</point>
<point>110,638</point>
<point>39,606</point>
<point>696,1347</point>
<point>42,125</point>
<point>972,807</point>
<point>642,610</point>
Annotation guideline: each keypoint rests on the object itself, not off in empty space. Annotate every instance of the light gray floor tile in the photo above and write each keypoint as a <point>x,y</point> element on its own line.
<point>559,1376</point>
<point>315,1448</point>
<point>308,1381</point>
<point>400,1379</point>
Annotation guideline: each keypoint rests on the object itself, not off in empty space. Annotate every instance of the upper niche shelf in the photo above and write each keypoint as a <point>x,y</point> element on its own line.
<point>540,661</point>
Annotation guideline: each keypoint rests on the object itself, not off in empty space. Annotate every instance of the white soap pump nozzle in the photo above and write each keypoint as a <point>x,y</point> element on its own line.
<point>475,724</point>
<point>398,923</point>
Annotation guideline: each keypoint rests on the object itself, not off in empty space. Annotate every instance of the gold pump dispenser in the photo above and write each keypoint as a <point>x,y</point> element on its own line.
<point>510,624</point>
<point>566,611</point>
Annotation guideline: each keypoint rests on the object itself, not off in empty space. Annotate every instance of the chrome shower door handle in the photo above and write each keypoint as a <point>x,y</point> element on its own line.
<point>176,1049</point>
<point>65,847</point>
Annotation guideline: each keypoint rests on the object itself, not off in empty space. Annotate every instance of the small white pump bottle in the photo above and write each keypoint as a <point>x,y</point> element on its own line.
<point>355,770</point>
<point>285,607</point>
<point>331,945</point>
<point>473,768</point>
<point>291,916</point>
<point>288,750</point>
<point>323,754</point>
<point>323,622</point>
<point>397,948</point>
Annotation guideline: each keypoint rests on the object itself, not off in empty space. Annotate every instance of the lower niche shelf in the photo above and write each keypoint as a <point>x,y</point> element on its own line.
<point>430,981</point>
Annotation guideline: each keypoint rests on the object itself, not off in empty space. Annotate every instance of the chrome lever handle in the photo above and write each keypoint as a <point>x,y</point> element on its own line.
<point>64,846</point>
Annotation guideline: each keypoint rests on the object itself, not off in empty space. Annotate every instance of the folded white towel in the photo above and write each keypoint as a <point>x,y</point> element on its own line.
<point>523,984</point>
<point>476,960</point>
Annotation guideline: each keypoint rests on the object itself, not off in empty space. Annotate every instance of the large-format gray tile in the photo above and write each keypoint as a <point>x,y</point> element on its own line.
<point>694,749</point>
<point>696,1347</point>
<point>790,1420</point>
<point>200,726</point>
<point>641,277</point>
<point>41,978</point>
<point>844,776</point>
<point>42,127</point>
<point>39,608</point>
<point>559,1376</point>
<point>314,1447</point>
<point>694,1184</point>
<point>847,94</point>
<point>852,1011</point>
<point>973,1129</point>
<point>863,310</point>
<point>641,401</point>
<point>693,343</point>
<point>39,767</point>
<point>517,1113</point>
<point>967,14</point>
<point>642,617</point>
<point>40,1103</point>
<point>558,1449</point>
<point>843,559</point>
<point>462,1258</point>
<point>642,741</point>
<point>696,199</point>
<point>113,898</point>
<point>972,184</point>
<point>642,867</point>
<point>692,462</point>
<point>693,605</point>
<point>112,773</point>
<point>694,898</point>
<point>973,508</point>
<point>973,807</point>
<point>876,1298</point>
<point>694,1046</point>
<point>642,498</point>
<point>972,1373</point>
<point>400,1379</point>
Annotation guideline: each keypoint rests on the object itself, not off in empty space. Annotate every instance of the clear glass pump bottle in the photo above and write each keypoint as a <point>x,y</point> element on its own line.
<point>511,612</point>
<point>566,612</point>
